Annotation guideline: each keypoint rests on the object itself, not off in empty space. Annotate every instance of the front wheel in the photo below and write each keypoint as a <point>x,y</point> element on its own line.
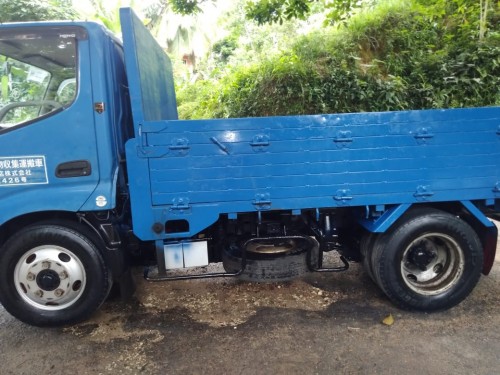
<point>430,261</point>
<point>52,275</point>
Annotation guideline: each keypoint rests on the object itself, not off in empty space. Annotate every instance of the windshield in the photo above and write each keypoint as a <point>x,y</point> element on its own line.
<point>37,72</point>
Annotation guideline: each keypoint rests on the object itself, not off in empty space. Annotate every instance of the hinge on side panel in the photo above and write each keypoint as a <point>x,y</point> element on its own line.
<point>496,189</point>
<point>179,146</point>
<point>260,142</point>
<point>343,196</point>
<point>423,192</point>
<point>343,139</point>
<point>262,201</point>
<point>498,130</point>
<point>180,205</point>
<point>423,135</point>
<point>147,151</point>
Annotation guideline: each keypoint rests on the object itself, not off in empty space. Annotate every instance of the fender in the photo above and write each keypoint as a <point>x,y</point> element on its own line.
<point>485,229</point>
<point>487,232</point>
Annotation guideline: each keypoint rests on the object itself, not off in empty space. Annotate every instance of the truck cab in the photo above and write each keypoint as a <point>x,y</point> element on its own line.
<point>64,119</point>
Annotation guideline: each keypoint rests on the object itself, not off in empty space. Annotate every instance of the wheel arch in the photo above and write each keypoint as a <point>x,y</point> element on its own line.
<point>107,241</point>
<point>466,210</point>
<point>13,225</point>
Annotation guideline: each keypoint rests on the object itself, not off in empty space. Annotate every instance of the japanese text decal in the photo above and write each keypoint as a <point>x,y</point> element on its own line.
<point>23,170</point>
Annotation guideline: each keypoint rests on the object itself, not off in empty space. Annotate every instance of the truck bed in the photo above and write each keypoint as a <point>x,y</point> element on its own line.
<point>292,163</point>
<point>191,172</point>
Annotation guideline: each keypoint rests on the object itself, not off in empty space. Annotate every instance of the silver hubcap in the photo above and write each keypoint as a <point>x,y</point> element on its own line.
<point>432,264</point>
<point>49,277</point>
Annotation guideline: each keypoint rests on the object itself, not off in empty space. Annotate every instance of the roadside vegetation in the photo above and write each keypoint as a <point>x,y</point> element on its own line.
<point>284,57</point>
<point>390,55</point>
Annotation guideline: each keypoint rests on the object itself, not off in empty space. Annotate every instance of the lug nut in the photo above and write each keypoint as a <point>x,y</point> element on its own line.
<point>63,275</point>
<point>46,265</point>
<point>39,293</point>
<point>58,292</point>
<point>30,276</point>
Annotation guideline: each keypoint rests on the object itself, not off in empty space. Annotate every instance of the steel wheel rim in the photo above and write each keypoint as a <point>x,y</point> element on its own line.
<point>269,247</point>
<point>445,264</point>
<point>49,278</point>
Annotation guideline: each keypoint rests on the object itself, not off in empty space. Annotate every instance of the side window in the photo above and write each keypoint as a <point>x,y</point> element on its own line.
<point>37,73</point>
<point>23,90</point>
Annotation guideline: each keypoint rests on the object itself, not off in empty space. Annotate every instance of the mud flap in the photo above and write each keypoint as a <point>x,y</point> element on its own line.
<point>489,237</point>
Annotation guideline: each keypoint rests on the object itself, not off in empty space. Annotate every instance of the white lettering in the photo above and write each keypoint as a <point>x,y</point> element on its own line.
<point>23,170</point>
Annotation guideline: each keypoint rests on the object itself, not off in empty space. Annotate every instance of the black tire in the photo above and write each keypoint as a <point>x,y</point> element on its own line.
<point>365,248</point>
<point>429,261</point>
<point>52,275</point>
<point>276,268</point>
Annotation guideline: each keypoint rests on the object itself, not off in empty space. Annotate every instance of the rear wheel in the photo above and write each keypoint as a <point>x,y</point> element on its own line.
<point>52,275</point>
<point>431,261</point>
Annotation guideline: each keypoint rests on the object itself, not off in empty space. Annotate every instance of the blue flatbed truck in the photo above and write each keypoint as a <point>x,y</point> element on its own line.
<point>95,167</point>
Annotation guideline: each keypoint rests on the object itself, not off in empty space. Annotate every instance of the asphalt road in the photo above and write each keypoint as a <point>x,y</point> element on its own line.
<point>321,325</point>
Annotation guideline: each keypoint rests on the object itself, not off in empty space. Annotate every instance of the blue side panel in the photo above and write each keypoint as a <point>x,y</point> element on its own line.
<point>200,169</point>
<point>149,72</point>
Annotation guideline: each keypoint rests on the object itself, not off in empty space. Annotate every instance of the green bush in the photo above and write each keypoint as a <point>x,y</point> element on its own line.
<point>393,57</point>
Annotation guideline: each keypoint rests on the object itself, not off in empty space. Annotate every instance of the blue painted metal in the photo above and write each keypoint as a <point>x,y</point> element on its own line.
<point>383,222</point>
<point>478,214</point>
<point>303,168</point>
<point>302,162</point>
<point>149,71</point>
<point>75,133</point>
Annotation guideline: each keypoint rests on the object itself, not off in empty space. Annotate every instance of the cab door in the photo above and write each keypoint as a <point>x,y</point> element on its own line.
<point>48,155</point>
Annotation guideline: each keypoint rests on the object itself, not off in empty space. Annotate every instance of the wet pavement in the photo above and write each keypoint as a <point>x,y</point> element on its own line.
<point>325,323</point>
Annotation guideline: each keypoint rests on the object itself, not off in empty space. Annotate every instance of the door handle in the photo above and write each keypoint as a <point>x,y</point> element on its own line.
<point>76,168</point>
